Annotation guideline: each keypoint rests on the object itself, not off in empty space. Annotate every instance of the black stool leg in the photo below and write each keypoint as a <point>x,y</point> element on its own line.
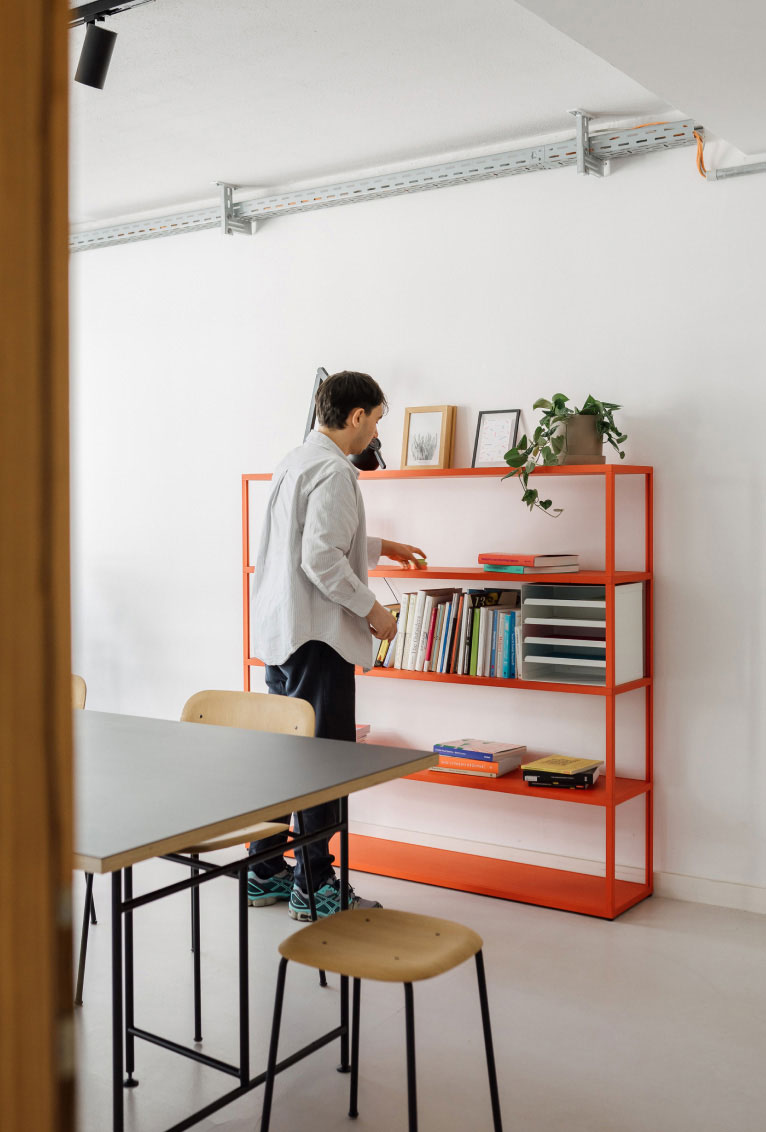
<point>197,958</point>
<point>269,1087</point>
<point>352,1109</point>
<point>498,1124</point>
<point>130,1041</point>
<point>84,938</point>
<point>93,919</point>
<point>412,1099</point>
<point>310,885</point>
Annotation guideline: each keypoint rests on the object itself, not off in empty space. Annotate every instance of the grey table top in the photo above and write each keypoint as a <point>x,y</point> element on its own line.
<point>144,787</point>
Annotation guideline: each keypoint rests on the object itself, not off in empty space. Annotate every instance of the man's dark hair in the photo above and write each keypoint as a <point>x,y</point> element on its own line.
<point>343,392</point>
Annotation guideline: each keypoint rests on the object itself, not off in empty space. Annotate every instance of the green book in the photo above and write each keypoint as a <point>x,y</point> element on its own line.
<point>504,569</point>
<point>474,642</point>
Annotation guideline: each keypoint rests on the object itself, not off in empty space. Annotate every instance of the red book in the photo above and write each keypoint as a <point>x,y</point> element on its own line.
<point>431,627</point>
<point>529,559</point>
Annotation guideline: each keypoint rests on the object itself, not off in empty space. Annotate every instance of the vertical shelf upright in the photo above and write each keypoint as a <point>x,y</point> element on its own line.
<point>604,896</point>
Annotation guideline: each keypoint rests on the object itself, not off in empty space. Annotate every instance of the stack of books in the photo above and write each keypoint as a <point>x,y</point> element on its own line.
<point>473,632</point>
<point>562,772</point>
<point>478,756</point>
<point>530,563</point>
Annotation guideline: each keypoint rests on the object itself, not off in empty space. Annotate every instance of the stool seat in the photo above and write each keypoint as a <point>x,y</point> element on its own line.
<point>382,944</point>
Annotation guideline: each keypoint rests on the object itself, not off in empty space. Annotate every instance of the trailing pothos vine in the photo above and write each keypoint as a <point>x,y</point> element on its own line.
<point>548,441</point>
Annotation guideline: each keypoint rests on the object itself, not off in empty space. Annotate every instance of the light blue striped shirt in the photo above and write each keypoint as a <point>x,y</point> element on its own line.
<point>313,557</point>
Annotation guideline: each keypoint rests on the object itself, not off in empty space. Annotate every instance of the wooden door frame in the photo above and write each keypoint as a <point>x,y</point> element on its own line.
<point>36,1055</point>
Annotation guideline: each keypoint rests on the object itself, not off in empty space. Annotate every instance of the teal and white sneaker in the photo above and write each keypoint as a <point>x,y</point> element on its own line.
<point>260,892</point>
<point>327,899</point>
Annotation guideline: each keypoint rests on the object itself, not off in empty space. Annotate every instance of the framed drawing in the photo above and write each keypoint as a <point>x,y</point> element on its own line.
<point>429,434</point>
<point>320,377</point>
<point>496,432</point>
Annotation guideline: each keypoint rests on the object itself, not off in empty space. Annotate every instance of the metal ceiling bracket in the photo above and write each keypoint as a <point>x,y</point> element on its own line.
<point>586,162</point>
<point>231,223</point>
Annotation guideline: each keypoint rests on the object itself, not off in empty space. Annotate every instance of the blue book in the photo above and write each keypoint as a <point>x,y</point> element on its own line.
<point>510,619</point>
<point>481,750</point>
<point>493,650</point>
<point>445,637</point>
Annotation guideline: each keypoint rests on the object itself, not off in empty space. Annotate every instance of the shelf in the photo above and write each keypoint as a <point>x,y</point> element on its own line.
<point>513,783</point>
<point>493,681</point>
<point>499,472</point>
<point>508,880</point>
<point>472,574</point>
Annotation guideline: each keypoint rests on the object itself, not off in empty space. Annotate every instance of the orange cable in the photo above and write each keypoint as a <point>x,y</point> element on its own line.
<point>700,159</point>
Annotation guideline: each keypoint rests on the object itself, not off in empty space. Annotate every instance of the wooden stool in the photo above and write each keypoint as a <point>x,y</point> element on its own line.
<point>392,947</point>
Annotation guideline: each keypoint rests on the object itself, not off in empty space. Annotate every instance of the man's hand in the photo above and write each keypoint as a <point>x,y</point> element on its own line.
<point>382,623</point>
<point>402,552</point>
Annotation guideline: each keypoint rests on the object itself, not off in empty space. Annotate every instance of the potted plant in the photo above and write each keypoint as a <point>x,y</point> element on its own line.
<point>563,436</point>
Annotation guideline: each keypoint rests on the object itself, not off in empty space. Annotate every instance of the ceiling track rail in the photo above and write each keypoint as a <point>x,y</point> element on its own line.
<point>600,148</point>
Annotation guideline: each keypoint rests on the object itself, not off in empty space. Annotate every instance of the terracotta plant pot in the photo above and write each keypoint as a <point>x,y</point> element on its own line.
<point>584,444</point>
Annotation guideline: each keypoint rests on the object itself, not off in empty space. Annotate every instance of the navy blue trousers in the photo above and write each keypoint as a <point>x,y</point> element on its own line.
<point>317,673</point>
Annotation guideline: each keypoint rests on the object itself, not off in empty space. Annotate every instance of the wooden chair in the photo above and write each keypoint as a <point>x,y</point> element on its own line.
<point>254,711</point>
<point>392,947</point>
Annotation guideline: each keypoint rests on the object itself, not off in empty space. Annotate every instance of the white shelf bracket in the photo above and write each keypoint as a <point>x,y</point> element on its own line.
<point>230,223</point>
<point>586,162</point>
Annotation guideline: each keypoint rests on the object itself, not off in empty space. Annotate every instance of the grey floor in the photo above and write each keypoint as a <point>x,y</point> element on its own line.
<point>654,1022</point>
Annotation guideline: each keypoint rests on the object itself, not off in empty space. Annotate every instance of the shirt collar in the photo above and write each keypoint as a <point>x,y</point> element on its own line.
<point>319,438</point>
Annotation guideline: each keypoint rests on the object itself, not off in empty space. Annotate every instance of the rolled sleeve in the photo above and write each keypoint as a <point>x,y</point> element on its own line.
<point>374,546</point>
<point>328,531</point>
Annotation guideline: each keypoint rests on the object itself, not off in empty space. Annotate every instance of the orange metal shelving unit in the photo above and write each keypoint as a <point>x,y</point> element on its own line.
<point>605,896</point>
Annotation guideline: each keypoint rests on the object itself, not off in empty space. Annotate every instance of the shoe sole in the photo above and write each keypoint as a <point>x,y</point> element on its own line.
<point>261,901</point>
<point>303,917</point>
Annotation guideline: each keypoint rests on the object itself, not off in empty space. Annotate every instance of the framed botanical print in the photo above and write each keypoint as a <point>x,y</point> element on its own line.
<point>429,434</point>
<point>496,432</point>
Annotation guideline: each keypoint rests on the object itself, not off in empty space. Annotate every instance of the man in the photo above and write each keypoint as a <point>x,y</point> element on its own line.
<point>314,616</point>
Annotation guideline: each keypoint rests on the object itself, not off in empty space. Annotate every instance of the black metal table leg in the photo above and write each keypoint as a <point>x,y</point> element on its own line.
<point>355,1012</point>
<point>84,938</point>
<point>493,1092</point>
<point>197,957</point>
<point>93,919</point>
<point>344,1066</point>
<point>118,1124</point>
<point>130,1055</point>
<point>412,1097</point>
<point>244,986</point>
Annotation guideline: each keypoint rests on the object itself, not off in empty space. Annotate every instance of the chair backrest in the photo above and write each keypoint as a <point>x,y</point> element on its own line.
<point>256,711</point>
<point>79,691</point>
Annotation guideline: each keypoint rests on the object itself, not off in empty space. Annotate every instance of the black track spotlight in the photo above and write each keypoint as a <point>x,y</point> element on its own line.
<point>96,55</point>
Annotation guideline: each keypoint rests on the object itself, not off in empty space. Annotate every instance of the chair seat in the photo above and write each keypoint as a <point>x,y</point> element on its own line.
<point>382,944</point>
<point>238,837</point>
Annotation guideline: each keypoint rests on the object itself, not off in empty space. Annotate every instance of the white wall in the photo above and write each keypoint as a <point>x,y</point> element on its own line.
<point>193,359</point>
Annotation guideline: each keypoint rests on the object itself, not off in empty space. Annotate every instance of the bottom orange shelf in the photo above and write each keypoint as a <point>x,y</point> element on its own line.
<point>508,880</point>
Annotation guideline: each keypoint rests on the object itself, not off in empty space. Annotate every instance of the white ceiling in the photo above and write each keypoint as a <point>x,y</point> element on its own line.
<point>268,93</point>
<point>704,56</point>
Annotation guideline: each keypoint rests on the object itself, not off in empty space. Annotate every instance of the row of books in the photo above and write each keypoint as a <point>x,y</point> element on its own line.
<point>473,632</point>
<point>488,759</point>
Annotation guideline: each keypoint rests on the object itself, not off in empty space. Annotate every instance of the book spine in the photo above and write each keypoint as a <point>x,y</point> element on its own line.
<point>441,622</point>
<point>473,655</point>
<point>497,569</point>
<point>480,651</point>
<point>465,770</point>
<point>413,636</point>
<point>507,647</point>
<point>445,751</point>
<point>401,635</point>
<point>465,644</point>
<point>426,629</point>
<point>444,637</point>
<point>493,645</point>
<point>508,559</point>
<point>452,763</point>
<point>500,644</point>
<point>456,635</point>
<point>518,654</point>
<point>433,630</point>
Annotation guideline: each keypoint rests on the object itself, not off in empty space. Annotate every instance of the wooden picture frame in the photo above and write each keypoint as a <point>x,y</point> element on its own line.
<point>428,437</point>
<point>497,431</point>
